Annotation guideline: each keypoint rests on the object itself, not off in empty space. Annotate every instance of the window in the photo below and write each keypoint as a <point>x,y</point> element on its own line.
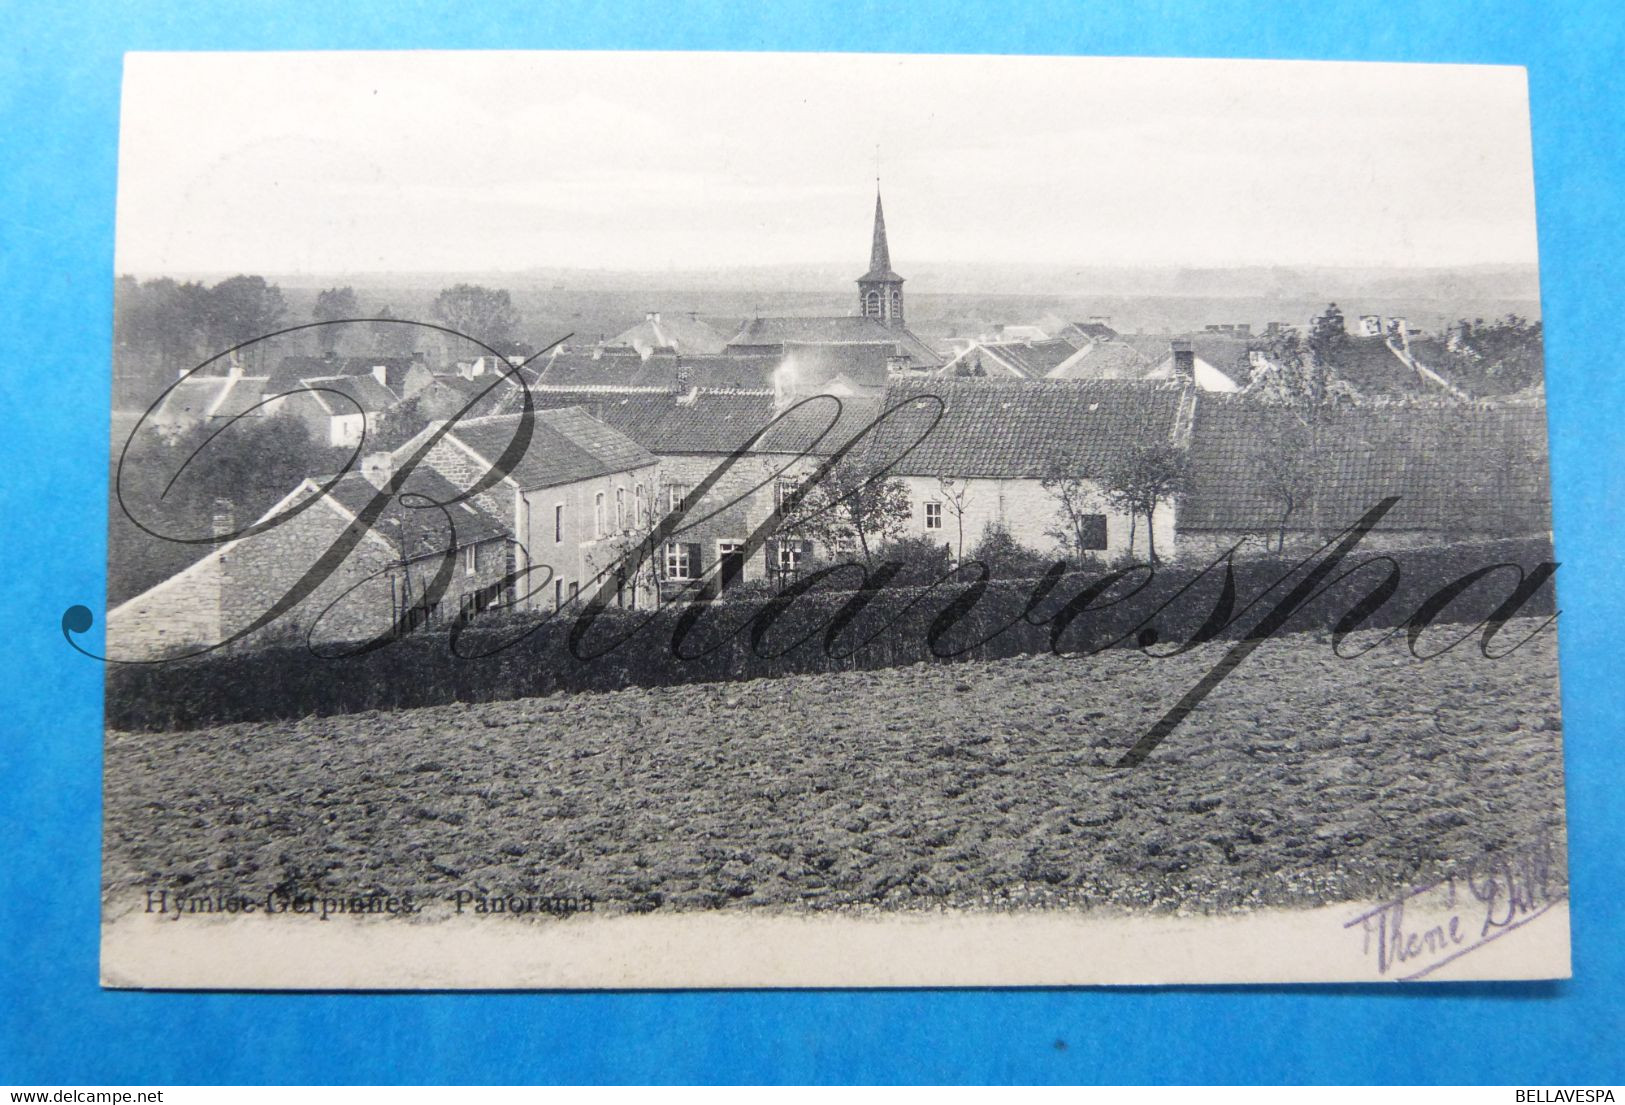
<point>933,515</point>
<point>620,509</point>
<point>679,562</point>
<point>558,523</point>
<point>871,304</point>
<point>471,559</point>
<point>598,515</point>
<point>642,496</point>
<point>782,491</point>
<point>558,594</point>
<point>676,496</point>
<point>1092,531</point>
<point>575,589</point>
<point>789,558</point>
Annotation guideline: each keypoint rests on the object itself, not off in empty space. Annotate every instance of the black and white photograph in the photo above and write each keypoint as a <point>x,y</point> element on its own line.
<point>660,520</point>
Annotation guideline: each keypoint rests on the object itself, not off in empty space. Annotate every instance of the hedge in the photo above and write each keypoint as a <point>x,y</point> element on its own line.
<point>507,657</point>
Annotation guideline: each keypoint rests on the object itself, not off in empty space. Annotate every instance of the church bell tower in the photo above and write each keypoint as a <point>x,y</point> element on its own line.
<point>880,290</point>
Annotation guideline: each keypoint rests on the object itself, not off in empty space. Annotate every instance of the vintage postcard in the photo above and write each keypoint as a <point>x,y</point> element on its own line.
<point>736,520</point>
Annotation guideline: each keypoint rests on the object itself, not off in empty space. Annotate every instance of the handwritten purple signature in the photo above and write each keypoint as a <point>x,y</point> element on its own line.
<point>1416,933</point>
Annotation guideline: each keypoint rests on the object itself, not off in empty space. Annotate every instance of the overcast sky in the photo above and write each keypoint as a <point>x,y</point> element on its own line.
<point>350,162</point>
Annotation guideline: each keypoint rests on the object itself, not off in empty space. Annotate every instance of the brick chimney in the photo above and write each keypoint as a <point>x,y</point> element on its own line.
<point>378,468</point>
<point>1184,360</point>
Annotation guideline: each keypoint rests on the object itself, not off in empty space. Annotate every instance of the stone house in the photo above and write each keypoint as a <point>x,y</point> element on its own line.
<point>378,585</point>
<point>578,499</point>
<point>204,400</point>
<point>337,409</point>
<point>984,461</point>
<point>404,374</point>
<point>692,434</point>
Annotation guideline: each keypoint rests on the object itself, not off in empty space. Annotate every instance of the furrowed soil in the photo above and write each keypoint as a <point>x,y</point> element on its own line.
<point>1302,779</point>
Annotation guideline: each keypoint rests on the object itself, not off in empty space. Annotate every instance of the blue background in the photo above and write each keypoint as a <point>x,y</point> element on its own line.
<point>59,87</point>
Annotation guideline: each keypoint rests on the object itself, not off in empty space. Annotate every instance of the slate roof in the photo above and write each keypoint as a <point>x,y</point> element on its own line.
<point>448,393</point>
<point>679,331</point>
<point>395,368</point>
<point>566,445</point>
<point>418,530</point>
<point>1473,467</point>
<point>191,399</point>
<point>367,393</point>
<point>696,422</point>
<point>1094,331</point>
<point>773,333</point>
<point>1008,429</point>
<point>583,369</point>
<point>808,366</point>
<point>1103,360</point>
<point>1033,359</point>
<point>204,397</point>
<point>242,394</point>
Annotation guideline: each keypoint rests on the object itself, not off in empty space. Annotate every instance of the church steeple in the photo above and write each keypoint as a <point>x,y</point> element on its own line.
<point>880,290</point>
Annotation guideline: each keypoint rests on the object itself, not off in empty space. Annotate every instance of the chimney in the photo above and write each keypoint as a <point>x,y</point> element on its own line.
<point>1184,360</point>
<point>224,519</point>
<point>651,316</point>
<point>378,468</point>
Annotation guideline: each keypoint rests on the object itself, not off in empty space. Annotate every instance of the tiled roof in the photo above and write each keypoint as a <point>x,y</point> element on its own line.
<point>584,369</point>
<point>820,425</point>
<point>416,529</point>
<point>1031,359</point>
<point>395,367</point>
<point>1374,370</point>
<point>448,393</point>
<point>1009,429</point>
<point>365,392</point>
<point>1103,360</point>
<point>775,332</point>
<point>242,394</point>
<point>1477,466</point>
<point>566,445</point>
<point>192,398</point>
<point>711,422</point>
<point>1225,353</point>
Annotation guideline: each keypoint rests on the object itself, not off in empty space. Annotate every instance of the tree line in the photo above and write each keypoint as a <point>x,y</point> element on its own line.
<point>163,327</point>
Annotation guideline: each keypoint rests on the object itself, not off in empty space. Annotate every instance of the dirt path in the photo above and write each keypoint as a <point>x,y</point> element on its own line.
<point>1303,779</point>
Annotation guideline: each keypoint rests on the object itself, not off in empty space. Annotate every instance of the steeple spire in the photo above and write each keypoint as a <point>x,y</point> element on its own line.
<point>879,252</point>
<point>880,290</point>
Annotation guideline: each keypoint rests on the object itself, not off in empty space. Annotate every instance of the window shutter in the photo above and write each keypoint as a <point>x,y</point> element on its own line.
<point>806,548</point>
<point>771,545</point>
<point>695,565</point>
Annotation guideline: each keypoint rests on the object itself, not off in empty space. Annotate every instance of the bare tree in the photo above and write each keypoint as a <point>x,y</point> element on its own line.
<point>848,506</point>
<point>1067,478</point>
<point>956,496</point>
<point>1144,478</point>
<point>1294,378</point>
